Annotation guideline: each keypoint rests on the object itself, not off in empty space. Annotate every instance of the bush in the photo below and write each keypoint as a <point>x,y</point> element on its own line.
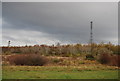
<point>30,60</point>
<point>104,58</point>
<point>115,60</point>
<point>119,60</point>
<point>108,59</point>
<point>90,57</point>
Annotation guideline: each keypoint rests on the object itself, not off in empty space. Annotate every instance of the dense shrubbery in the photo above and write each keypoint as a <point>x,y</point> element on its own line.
<point>62,50</point>
<point>104,58</point>
<point>31,59</point>
<point>106,53</point>
<point>108,59</point>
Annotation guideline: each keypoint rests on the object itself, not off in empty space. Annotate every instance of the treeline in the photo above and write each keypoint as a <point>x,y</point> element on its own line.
<point>63,50</point>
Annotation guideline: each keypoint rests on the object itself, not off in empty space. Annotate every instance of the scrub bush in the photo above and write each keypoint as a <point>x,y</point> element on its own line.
<point>28,59</point>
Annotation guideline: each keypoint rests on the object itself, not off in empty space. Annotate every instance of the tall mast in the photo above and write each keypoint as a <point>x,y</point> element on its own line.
<point>91,36</point>
<point>91,33</point>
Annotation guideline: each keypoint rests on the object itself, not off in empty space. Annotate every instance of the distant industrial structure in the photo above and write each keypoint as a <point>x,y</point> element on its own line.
<point>8,43</point>
<point>91,36</point>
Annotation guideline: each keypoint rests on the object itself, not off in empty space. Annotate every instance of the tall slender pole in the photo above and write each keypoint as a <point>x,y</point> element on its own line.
<point>91,37</point>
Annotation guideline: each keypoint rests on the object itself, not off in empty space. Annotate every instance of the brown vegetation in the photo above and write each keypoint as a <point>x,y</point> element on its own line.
<point>31,60</point>
<point>33,55</point>
<point>113,60</point>
<point>69,50</point>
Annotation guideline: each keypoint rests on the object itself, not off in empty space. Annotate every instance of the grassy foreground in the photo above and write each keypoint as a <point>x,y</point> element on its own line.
<point>60,72</point>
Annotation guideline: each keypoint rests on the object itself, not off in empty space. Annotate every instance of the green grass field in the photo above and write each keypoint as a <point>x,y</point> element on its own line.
<point>56,72</point>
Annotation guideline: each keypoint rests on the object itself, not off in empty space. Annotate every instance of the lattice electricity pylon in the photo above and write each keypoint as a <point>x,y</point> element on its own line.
<point>91,36</point>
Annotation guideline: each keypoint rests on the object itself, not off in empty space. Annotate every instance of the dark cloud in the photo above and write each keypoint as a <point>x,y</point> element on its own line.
<point>63,21</point>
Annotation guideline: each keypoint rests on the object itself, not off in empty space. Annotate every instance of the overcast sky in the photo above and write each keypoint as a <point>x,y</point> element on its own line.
<point>0,23</point>
<point>65,22</point>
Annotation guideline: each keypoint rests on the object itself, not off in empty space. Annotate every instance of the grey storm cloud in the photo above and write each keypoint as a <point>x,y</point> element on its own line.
<point>64,21</point>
